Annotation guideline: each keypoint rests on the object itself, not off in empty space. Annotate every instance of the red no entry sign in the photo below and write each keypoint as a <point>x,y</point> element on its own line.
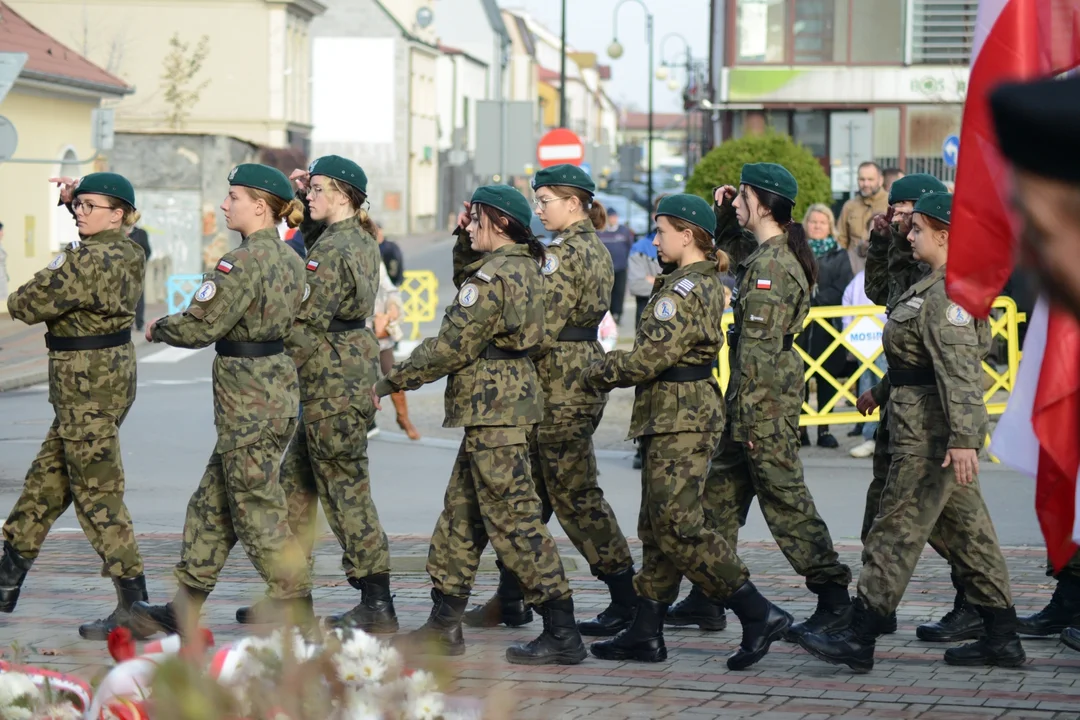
<point>560,146</point>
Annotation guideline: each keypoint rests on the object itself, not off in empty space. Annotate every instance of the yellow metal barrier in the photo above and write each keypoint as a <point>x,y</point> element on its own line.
<point>420,298</point>
<point>1003,321</point>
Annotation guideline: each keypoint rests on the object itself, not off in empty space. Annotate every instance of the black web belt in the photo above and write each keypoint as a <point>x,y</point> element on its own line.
<point>88,342</point>
<point>733,339</point>
<point>235,348</point>
<point>337,326</point>
<point>579,334</point>
<point>689,373</point>
<point>493,353</point>
<point>899,377</point>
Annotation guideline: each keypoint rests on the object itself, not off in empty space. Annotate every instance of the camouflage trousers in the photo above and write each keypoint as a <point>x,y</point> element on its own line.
<point>919,495</point>
<point>79,464</point>
<point>491,496</point>
<point>563,464</point>
<point>240,498</point>
<point>327,460</point>
<point>773,473</point>
<point>676,538</point>
<point>882,461</point>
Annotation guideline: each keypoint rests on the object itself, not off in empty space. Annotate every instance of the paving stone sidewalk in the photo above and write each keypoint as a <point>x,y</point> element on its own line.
<point>910,680</point>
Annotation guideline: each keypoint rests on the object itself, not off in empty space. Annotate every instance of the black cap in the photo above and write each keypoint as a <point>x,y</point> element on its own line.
<point>1036,125</point>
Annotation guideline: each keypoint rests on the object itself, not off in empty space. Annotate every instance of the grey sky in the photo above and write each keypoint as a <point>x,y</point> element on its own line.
<point>589,29</point>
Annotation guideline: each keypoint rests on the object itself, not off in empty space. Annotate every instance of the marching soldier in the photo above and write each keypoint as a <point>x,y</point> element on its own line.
<point>246,309</point>
<point>937,425</point>
<point>758,454</point>
<point>336,355</point>
<point>86,297</point>
<point>578,277</point>
<point>678,416</point>
<point>493,391</point>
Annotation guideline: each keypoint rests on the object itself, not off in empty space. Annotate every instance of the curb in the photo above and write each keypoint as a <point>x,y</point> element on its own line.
<point>25,380</point>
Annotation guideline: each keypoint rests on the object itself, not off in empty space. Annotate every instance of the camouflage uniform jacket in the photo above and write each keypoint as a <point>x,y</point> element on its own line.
<point>90,288</point>
<point>771,299</point>
<point>342,280</point>
<point>253,295</point>
<point>500,304</point>
<point>891,268</point>
<point>679,327</point>
<point>928,331</point>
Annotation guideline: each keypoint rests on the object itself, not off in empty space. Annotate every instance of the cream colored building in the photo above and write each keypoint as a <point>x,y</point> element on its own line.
<point>257,70</point>
<point>51,105</point>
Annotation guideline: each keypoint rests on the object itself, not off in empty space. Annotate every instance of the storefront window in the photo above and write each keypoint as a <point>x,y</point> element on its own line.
<point>812,130</point>
<point>820,31</point>
<point>762,35</point>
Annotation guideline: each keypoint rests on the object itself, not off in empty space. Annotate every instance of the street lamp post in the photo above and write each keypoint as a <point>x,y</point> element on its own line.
<point>562,70</point>
<point>615,51</point>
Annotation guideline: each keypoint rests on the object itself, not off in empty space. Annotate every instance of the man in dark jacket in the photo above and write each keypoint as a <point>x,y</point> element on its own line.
<point>391,257</point>
<point>140,238</point>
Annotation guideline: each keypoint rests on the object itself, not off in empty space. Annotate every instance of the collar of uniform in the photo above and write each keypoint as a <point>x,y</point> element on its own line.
<point>775,240</point>
<point>505,251</point>
<point>264,234</point>
<point>103,237</point>
<point>581,227</point>
<point>346,224</point>
<point>702,267</point>
<point>928,281</point>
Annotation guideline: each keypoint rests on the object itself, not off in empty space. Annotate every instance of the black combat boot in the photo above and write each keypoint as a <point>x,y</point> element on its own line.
<point>506,607</point>
<point>261,611</point>
<point>1000,645</point>
<point>559,644</point>
<point>853,646</point>
<point>128,592</point>
<point>642,641</point>
<point>762,624</point>
<point>1071,638</point>
<point>890,625</point>
<point>170,618</point>
<point>615,617</point>
<point>833,612</point>
<point>13,569</point>
<point>441,634</point>
<point>375,613</point>
<point>1062,612</point>
<point>960,623</point>
<point>699,609</point>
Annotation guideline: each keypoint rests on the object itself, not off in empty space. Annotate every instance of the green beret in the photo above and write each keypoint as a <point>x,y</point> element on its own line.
<point>106,183</point>
<point>262,177</point>
<point>912,187</point>
<point>771,178</point>
<point>1036,126</point>
<point>505,199</point>
<point>936,205</point>
<point>339,168</point>
<point>568,175</point>
<point>690,208</point>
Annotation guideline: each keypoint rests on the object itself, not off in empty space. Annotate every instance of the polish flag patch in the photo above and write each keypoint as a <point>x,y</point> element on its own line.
<point>312,265</point>
<point>225,266</point>
<point>764,284</point>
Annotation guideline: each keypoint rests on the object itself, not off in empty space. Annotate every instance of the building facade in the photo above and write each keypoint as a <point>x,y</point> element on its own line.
<point>852,80</point>
<point>254,76</point>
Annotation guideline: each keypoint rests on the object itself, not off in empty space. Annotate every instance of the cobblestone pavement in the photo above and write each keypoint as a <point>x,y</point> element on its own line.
<point>910,680</point>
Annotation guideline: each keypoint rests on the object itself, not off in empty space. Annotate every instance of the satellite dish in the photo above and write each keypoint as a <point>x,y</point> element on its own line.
<point>9,139</point>
<point>424,16</point>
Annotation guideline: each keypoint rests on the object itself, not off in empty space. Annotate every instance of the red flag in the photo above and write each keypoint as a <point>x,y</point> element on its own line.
<point>1015,40</point>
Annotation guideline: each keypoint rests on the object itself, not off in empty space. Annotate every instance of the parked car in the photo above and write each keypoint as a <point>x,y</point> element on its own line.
<point>633,215</point>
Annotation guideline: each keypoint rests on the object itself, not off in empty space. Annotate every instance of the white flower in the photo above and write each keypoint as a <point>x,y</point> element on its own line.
<point>361,705</point>
<point>16,687</point>
<point>422,682</point>
<point>426,707</point>
<point>360,645</point>
<point>61,712</point>
<point>393,661</point>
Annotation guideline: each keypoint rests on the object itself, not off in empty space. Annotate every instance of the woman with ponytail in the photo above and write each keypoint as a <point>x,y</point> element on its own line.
<point>493,391</point>
<point>758,454</point>
<point>578,278</point>
<point>337,356</point>
<point>678,417</point>
<point>246,309</point>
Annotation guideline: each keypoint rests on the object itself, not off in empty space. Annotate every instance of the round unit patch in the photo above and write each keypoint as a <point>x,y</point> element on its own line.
<point>206,291</point>
<point>958,315</point>
<point>551,264</point>
<point>58,261</point>
<point>469,295</point>
<point>664,309</point>
<point>307,292</point>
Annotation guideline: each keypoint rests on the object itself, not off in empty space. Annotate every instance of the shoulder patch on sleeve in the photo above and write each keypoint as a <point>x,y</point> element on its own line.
<point>763,284</point>
<point>58,261</point>
<point>313,265</point>
<point>551,264</point>
<point>206,291</point>
<point>224,266</point>
<point>468,295</point>
<point>684,286</point>
<point>957,315</point>
<point>664,309</point>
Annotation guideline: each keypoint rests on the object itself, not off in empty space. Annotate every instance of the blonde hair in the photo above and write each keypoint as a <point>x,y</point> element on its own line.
<point>131,215</point>
<point>824,210</point>
<point>593,208</point>
<point>291,211</point>
<point>703,241</point>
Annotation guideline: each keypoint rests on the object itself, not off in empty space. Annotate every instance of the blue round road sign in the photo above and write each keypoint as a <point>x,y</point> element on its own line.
<point>950,150</point>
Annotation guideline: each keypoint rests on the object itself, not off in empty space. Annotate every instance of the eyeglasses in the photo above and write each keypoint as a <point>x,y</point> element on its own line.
<point>317,190</point>
<point>86,207</point>
<point>541,203</point>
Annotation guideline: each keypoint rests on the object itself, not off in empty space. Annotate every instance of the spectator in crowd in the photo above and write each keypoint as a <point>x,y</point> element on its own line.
<point>140,238</point>
<point>871,200</point>
<point>295,240</point>
<point>618,239</point>
<point>391,257</point>
<point>834,273</point>
<point>891,175</point>
<point>854,296</point>
<point>643,267</point>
